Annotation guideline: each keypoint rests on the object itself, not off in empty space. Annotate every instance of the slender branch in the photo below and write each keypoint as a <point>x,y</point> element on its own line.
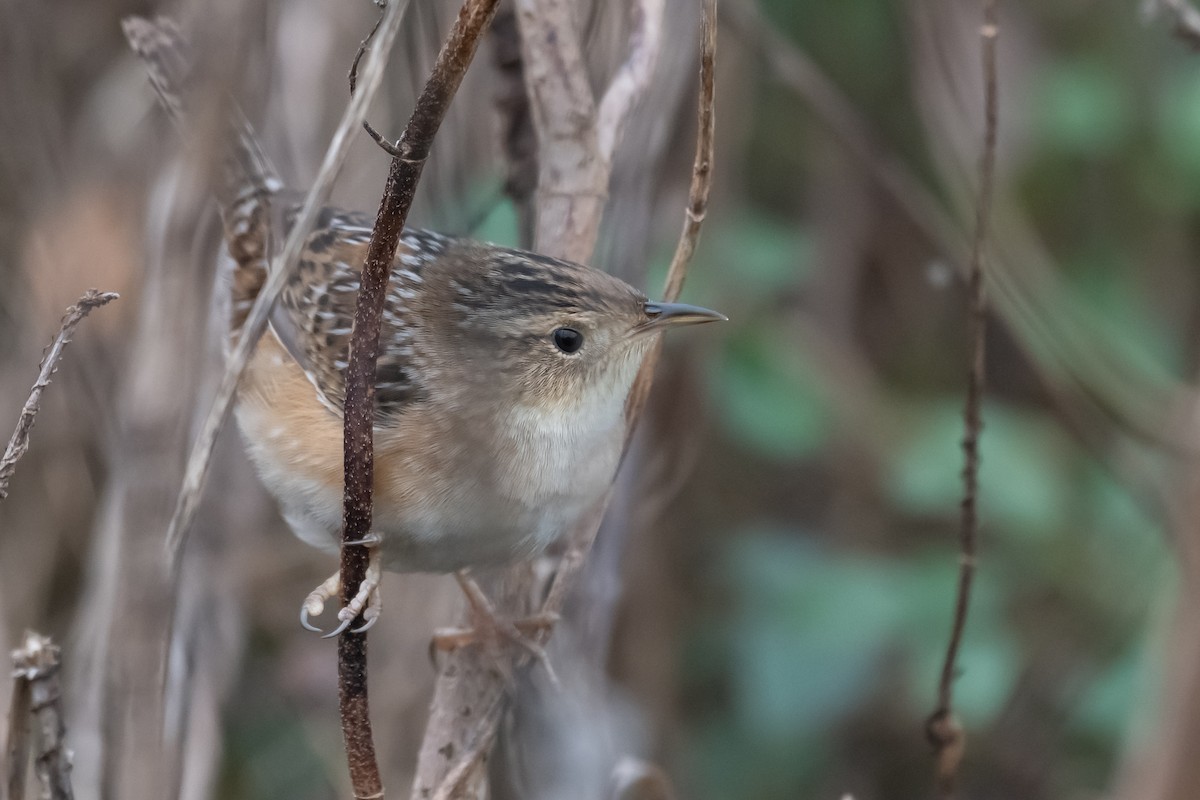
<point>414,146</point>
<point>469,696</point>
<point>16,763</point>
<point>943,729</point>
<point>387,146</point>
<point>18,445</point>
<point>701,185</point>
<point>285,263</point>
<point>37,663</point>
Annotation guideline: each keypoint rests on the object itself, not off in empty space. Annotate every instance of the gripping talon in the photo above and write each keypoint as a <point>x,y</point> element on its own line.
<point>333,634</point>
<point>304,623</point>
<point>367,601</point>
<point>314,604</point>
<point>491,632</point>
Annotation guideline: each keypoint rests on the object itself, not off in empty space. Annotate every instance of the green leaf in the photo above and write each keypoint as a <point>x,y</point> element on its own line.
<point>1084,107</point>
<point>500,225</point>
<point>768,397</point>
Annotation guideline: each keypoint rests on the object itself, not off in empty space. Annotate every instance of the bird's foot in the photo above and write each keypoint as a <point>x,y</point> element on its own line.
<point>367,600</point>
<point>493,633</point>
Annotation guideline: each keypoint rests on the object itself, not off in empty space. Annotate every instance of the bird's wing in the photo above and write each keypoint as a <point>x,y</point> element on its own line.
<point>315,313</point>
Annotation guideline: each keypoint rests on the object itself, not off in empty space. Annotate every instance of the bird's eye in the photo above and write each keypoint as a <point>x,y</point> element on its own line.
<point>568,340</point>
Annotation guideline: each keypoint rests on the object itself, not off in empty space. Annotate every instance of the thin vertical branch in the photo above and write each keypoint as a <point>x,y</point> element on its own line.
<point>943,728</point>
<point>37,663</point>
<point>406,167</point>
<point>701,186</point>
<point>16,760</point>
<point>18,445</point>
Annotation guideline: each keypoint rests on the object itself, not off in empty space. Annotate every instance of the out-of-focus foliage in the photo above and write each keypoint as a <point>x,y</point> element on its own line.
<point>816,661</point>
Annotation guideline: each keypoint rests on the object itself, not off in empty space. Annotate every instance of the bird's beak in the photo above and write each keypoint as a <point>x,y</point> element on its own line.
<point>664,315</point>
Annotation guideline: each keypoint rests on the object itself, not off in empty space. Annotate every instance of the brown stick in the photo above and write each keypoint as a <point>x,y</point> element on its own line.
<point>37,664</point>
<point>943,730</point>
<point>18,445</point>
<point>16,763</point>
<point>405,171</point>
<point>697,208</point>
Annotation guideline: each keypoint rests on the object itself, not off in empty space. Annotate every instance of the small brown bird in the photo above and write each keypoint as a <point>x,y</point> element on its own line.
<point>501,383</point>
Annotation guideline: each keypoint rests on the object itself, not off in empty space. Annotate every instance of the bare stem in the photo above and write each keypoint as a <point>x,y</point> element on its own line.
<point>943,729</point>
<point>36,663</point>
<point>518,140</point>
<point>19,443</point>
<point>406,167</point>
<point>16,764</point>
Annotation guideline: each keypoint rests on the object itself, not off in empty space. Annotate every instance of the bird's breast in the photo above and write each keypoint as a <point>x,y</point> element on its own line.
<point>450,491</point>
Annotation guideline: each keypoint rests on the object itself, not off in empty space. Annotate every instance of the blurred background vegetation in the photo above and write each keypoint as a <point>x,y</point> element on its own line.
<point>788,593</point>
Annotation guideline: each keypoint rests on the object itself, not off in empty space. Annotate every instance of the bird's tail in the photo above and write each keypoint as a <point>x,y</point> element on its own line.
<point>249,181</point>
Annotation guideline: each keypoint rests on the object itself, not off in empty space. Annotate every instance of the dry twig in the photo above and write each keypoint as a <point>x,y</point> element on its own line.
<point>412,150</point>
<point>36,665</point>
<point>16,762</point>
<point>943,729</point>
<point>19,443</point>
<point>469,697</point>
<point>573,136</point>
<point>256,321</point>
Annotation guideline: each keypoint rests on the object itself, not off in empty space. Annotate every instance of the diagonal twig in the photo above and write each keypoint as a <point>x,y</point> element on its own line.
<point>285,262</point>
<point>18,445</point>
<point>942,728</point>
<point>412,150</point>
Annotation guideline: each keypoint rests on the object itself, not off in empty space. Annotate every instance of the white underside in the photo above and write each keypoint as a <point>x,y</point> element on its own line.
<point>561,468</point>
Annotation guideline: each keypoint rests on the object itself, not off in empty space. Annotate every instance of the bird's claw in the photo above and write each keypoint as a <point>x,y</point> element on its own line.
<point>366,601</point>
<point>304,623</point>
<point>492,633</point>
